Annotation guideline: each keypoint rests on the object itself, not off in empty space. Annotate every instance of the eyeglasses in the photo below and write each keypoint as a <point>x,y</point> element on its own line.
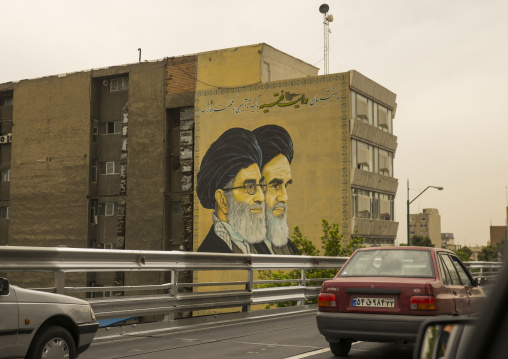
<point>250,188</point>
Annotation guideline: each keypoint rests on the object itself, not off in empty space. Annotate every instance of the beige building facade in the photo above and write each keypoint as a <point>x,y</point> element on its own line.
<point>426,224</point>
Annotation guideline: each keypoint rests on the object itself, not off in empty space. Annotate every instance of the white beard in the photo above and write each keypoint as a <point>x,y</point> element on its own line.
<point>276,226</point>
<point>251,226</point>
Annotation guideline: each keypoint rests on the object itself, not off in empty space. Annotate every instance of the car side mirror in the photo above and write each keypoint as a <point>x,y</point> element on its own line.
<point>4,286</point>
<point>441,338</point>
<point>481,281</point>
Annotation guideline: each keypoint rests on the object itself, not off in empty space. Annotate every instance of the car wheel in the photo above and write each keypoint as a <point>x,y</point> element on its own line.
<point>52,342</point>
<point>341,348</point>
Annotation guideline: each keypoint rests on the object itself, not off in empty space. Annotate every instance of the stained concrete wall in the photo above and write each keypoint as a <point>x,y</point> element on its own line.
<point>145,162</point>
<point>49,173</point>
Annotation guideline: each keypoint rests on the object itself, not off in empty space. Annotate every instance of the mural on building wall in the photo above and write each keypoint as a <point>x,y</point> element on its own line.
<point>244,177</point>
<point>290,137</point>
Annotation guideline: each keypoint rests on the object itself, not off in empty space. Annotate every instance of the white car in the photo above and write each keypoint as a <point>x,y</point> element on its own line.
<point>36,325</point>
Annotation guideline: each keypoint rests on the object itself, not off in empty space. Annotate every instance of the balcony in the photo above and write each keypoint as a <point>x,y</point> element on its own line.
<point>374,135</point>
<point>375,228</point>
<point>373,181</point>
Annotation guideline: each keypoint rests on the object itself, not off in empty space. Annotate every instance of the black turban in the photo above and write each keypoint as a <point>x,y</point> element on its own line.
<point>233,151</point>
<point>273,141</point>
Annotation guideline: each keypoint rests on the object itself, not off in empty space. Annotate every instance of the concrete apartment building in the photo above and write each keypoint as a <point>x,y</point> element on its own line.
<point>107,158</point>
<point>426,224</point>
<point>497,234</point>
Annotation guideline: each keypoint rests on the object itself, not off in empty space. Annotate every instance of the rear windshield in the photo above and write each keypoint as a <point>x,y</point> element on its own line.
<point>390,263</point>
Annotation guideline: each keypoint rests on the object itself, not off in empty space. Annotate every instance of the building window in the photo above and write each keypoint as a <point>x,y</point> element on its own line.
<point>120,84</point>
<point>5,101</point>
<point>4,212</point>
<point>108,209</point>
<point>95,136</point>
<point>382,118</point>
<point>93,211</point>
<point>375,206</point>
<point>386,207</point>
<point>110,168</point>
<point>361,108</point>
<point>108,128</point>
<point>6,175</point>
<point>362,204</point>
<point>95,169</point>
<point>372,205</point>
<point>385,163</point>
<point>373,159</point>
<point>361,155</point>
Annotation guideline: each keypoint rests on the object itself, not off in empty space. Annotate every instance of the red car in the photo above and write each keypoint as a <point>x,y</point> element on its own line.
<point>385,293</point>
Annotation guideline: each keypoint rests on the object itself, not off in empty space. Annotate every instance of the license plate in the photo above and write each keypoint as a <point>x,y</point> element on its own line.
<point>373,302</point>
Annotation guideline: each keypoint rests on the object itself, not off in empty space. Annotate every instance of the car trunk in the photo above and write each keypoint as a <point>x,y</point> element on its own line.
<point>379,295</point>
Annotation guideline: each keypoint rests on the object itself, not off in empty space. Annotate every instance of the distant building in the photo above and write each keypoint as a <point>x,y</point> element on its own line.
<point>448,241</point>
<point>476,252</point>
<point>497,234</point>
<point>426,224</point>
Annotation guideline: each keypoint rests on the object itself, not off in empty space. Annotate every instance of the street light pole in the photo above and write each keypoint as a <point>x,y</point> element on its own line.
<point>408,203</point>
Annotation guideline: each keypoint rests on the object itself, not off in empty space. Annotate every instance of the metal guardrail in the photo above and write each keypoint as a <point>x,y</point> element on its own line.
<point>487,270</point>
<point>171,297</point>
<point>62,260</point>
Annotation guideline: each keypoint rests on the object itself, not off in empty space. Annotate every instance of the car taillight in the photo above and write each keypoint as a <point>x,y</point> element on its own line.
<point>422,302</point>
<point>327,300</point>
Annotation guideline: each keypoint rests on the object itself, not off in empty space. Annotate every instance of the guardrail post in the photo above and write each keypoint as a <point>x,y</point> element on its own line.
<point>174,281</point>
<point>249,287</point>
<point>303,283</point>
<point>168,317</point>
<point>59,282</point>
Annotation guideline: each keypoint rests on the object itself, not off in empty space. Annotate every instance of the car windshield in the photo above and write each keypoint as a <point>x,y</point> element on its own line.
<point>390,263</point>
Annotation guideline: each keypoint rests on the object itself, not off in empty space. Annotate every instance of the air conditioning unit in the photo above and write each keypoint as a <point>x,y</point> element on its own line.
<point>6,139</point>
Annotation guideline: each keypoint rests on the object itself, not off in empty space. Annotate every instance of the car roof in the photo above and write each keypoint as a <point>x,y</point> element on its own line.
<point>405,248</point>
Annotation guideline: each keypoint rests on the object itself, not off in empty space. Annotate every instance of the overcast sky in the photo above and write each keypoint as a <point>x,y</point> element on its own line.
<point>446,60</point>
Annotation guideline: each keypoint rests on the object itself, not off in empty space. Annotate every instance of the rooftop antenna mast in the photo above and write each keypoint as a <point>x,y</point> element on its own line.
<point>327,19</point>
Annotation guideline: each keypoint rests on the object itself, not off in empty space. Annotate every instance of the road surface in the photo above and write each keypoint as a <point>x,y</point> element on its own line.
<point>289,336</point>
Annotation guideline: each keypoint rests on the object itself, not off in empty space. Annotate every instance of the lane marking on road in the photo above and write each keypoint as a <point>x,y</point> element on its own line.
<point>277,345</point>
<point>309,354</point>
<point>315,352</point>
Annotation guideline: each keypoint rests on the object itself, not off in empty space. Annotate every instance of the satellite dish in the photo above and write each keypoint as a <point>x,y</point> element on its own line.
<point>323,9</point>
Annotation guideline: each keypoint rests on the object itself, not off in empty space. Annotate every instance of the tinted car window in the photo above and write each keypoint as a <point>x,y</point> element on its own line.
<point>454,277</point>
<point>442,270</point>
<point>462,272</point>
<point>390,263</point>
